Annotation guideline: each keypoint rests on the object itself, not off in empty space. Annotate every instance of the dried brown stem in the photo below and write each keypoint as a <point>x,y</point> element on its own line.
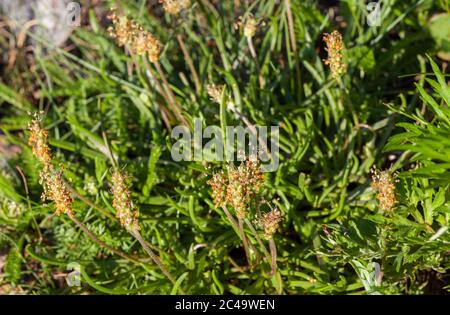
<point>175,106</point>
<point>153,79</point>
<point>189,63</point>
<point>290,18</point>
<point>253,53</point>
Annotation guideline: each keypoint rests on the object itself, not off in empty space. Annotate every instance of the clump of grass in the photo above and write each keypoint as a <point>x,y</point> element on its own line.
<point>151,72</point>
<point>55,187</point>
<point>240,188</point>
<point>128,215</point>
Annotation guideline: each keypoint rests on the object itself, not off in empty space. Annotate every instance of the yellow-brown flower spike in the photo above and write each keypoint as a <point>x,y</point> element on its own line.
<point>238,188</point>
<point>146,44</point>
<point>38,140</point>
<point>215,92</point>
<point>55,189</point>
<point>244,183</point>
<point>123,29</point>
<point>130,34</point>
<point>269,222</point>
<point>334,48</point>
<point>249,24</point>
<point>250,27</point>
<point>122,202</point>
<point>52,180</point>
<point>384,184</point>
<point>218,185</point>
<point>175,6</point>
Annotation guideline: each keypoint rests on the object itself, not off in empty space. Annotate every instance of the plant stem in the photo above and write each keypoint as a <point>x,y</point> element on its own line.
<point>273,254</point>
<point>29,202</point>
<point>244,240</point>
<point>174,103</point>
<point>189,63</point>
<point>293,42</point>
<point>230,218</point>
<point>154,257</point>
<point>101,243</point>
<point>239,228</point>
<point>253,53</point>
<point>90,203</point>
<point>152,79</point>
<point>258,239</point>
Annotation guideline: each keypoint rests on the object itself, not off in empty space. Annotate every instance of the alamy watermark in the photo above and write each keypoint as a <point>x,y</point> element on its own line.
<point>374,16</point>
<point>73,278</point>
<point>73,14</point>
<point>257,142</point>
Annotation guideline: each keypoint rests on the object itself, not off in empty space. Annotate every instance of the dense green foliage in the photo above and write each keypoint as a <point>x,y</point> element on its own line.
<point>390,110</point>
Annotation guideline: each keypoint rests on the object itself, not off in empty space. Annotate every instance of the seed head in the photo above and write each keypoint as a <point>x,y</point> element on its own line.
<point>384,184</point>
<point>249,24</point>
<point>122,202</point>
<point>52,180</point>
<point>218,185</point>
<point>38,139</point>
<point>269,222</point>
<point>238,188</point>
<point>215,92</point>
<point>146,43</point>
<point>175,6</point>
<point>244,184</point>
<point>250,27</point>
<point>129,33</point>
<point>55,189</point>
<point>334,48</point>
<point>123,29</point>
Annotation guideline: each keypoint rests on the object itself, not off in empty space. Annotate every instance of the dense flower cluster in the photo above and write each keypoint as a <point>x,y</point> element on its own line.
<point>55,189</point>
<point>130,34</point>
<point>51,179</point>
<point>126,210</point>
<point>38,140</point>
<point>175,6</point>
<point>219,184</point>
<point>238,188</point>
<point>249,24</point>
<point>250,27</point>
<point>384,184</point>
<point>215,92</point>
<point>269,222</point>
<point>334,48</point>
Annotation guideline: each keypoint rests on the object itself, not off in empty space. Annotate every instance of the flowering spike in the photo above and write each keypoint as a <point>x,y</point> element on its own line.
<point>215,92</point>
<point>334,48</point>
<point>38,139</point>
<point>175,6</point>
<point>269,222</point>
<point>52,180</point>
<point>129,33</point>
<point>126,210</point>
<point>384,184</point>
<point>55,189</point>
<point>239,188</point>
